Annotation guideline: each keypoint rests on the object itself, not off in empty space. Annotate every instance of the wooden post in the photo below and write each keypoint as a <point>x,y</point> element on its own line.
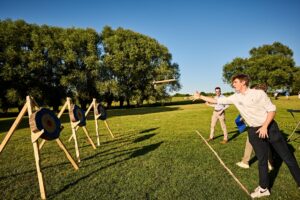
<point>62,146</point>
<point>13,127</point>
<point>94,103</point>
<point>106,124</point>
<point>89,138</point>
<point>36,154</point>
<point>73,127</point>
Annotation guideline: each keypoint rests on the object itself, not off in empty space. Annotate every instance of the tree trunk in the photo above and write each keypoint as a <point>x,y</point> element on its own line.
<point>121,103</point>
<point>128,103</point>
<point>109,102</point>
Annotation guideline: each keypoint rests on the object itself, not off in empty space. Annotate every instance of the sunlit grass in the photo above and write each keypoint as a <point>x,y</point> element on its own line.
<point>156,155</point>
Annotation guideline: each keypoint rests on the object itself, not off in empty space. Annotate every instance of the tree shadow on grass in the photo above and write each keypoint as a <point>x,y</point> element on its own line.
<point>145,149</point>
<point>149,130</point>
<point>235,133</point>
<point>136,153</point>
<point>144,137</point>
<point>6,124</point>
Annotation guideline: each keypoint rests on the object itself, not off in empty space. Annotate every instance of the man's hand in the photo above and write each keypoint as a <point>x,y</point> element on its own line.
<point>262,132</point>
<point>196,96</point>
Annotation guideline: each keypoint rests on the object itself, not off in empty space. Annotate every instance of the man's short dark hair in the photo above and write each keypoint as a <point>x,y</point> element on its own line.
<point>241,77</point>
<point>217,88</point>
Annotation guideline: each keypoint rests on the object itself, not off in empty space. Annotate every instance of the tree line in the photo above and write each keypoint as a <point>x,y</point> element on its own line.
<point>270,64</point>
<point>51,63</point>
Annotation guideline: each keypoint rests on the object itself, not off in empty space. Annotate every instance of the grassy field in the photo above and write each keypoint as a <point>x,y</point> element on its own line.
<point>156,154</point>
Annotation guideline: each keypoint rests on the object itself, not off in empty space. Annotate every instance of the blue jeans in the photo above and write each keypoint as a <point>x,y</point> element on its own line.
<point>261,148</point>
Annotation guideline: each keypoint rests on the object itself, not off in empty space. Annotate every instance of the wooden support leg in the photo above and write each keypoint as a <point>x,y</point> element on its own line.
<point>13,127</point>
<point>97,132</point>
<point>106,124</point>
<point>70,138</point>
<point>293,131</point>
<point>42,144</point>
<point>62,146</point>
<point>89,138</point>
<point>76,144</point>
<point>38,169</point>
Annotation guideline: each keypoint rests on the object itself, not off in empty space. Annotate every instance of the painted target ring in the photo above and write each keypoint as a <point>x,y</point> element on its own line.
<point>101,111</point>
<point>77,114</point>
<point>45,119</point>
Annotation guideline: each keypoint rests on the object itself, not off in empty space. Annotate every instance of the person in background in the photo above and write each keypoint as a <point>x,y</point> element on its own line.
<point>287,94</point>
<point>258,111</point>
<point>275,95</point>
<point>218,114</point>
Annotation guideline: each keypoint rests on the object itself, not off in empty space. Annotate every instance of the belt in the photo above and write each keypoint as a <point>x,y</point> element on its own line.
<point>218,110</point>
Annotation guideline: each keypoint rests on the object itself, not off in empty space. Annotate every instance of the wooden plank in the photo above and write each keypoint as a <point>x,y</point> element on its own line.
<point>106,124</point>
<point>88,136</point>
<point>13,127</point>
<point>62,146</point>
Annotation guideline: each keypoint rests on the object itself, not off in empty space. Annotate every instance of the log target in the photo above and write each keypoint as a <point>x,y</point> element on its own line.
<point>77,114</point>
<point>101,111</point>
<point>45,119</point>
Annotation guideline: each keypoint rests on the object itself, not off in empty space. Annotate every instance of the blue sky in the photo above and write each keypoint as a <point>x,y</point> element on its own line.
<point>202,35</point>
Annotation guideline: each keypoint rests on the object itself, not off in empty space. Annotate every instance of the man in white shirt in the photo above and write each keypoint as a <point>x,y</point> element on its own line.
<point>258,111</point>
<point>218,114</point>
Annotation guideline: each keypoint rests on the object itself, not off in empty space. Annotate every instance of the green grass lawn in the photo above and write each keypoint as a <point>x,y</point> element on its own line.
<point>156,155</point>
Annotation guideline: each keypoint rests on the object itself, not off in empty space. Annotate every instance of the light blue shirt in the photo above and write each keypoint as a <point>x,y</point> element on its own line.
<point>219,106</point>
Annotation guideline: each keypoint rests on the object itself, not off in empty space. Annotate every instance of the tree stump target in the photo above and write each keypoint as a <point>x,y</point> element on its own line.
<point>45,119</point>
<point>77,114</point>
<point>101,111</point>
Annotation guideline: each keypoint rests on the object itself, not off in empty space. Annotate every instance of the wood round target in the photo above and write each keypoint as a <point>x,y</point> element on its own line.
<point>77,114</point>
<point>101,111</point>
<point>45,119</point>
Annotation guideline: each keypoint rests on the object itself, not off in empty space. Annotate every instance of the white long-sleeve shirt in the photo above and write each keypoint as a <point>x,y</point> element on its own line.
<point>253,105</point>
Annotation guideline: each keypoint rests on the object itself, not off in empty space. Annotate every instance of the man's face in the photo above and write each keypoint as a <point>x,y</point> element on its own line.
<point>238,84</point>
<point>218,92</point>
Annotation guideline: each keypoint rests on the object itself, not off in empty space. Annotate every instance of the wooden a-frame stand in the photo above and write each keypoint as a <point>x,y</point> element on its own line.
<point>74,127</point>
<point>28,106</point>
<point>96,117</point>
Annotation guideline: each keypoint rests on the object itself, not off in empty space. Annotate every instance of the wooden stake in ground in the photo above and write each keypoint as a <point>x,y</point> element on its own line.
<point>223,164</point>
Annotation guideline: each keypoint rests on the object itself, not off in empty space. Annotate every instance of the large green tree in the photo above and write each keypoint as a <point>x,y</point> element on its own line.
<point>15,47</point>
<point>272,65</point>
<point>46,66</point>
<point>134,61</point>
<point>81,62</point>
<point>50,63</point>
